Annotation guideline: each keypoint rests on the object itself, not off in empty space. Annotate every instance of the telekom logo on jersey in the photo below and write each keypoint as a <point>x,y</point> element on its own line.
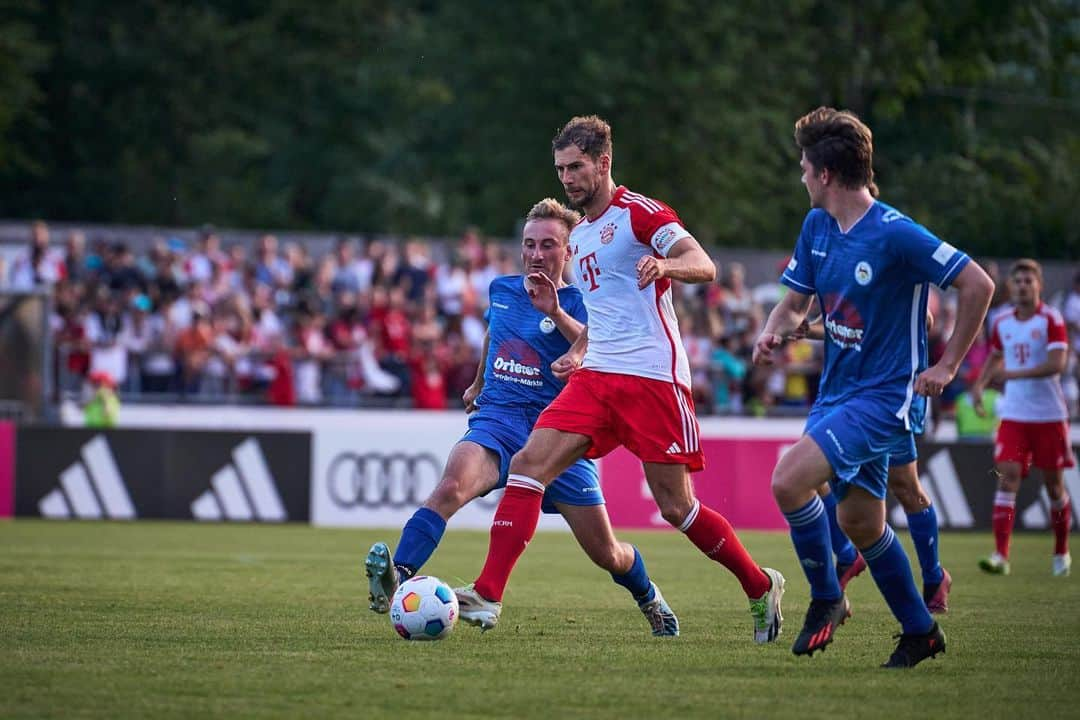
<point>590,270</point>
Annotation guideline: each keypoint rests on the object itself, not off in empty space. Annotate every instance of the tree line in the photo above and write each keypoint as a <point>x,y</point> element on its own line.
<point>423,117</point>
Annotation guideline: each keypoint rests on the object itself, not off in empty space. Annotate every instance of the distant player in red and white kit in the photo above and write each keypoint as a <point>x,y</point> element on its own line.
<point>629,380</point>
<point>1030,345</point>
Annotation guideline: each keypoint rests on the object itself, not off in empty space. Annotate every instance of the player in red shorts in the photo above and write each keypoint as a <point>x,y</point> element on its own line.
<point>1029,352</point>
<point>629,380</point>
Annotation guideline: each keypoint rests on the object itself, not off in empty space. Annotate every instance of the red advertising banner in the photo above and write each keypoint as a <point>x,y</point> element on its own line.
<point>7,469</point>
<point>735,483</point>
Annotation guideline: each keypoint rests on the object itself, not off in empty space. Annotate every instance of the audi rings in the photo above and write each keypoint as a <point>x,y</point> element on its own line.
<point>376,480</point>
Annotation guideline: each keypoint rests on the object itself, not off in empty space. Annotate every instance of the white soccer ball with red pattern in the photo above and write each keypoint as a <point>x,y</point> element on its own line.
<point>424,608</point>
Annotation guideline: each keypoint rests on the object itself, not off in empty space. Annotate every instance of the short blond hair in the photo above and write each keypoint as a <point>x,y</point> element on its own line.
<point>551,209</point>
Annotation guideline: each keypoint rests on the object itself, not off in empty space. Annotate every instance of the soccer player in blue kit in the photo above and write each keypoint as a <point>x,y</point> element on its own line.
<point>870,267</point>
<point>532,321</point>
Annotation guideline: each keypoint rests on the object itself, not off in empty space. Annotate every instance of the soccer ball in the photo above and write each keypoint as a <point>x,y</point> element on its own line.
<point>424,608</point>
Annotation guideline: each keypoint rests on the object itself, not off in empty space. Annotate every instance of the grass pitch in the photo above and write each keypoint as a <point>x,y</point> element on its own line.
<point>184,620</point>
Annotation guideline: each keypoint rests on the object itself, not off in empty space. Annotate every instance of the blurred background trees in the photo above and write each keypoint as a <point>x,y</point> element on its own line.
<point>414,116</point>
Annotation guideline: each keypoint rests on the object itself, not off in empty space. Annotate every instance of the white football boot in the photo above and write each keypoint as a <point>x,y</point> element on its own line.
<point>475,610</point>
<point>768,618</point>
<point>1061,565</point>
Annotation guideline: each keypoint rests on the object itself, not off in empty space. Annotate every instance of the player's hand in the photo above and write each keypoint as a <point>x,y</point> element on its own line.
<point>933,380</point>
<point>564,366</point>
<point>543,294</point>
<point>649,270</point>
<point>800,332</point>
<point>763,348</point>
<point>999,376</point>
<point>977,402</point>
<point>469,396</point>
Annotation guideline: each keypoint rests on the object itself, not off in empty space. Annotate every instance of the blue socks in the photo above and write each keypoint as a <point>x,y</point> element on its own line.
<point>636,580</point>
<point>924,534</point>
<point>892,572</point>
<point>842,547</point>
<point>419,538</point>
<point>810,535</point>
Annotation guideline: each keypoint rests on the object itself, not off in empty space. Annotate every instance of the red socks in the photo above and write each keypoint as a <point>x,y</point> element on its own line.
<point>1061,520</point>
<point>713,535</point>
<point>511,530</point>
<point>1002,520</point>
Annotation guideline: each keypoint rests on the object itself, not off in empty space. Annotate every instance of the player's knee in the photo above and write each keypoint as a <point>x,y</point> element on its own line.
<point>863,531</point>
<point>527,461</point>
<point>785,486</point>
<point>911,497</point>
<point>449,496</point>
<point>675,510</point>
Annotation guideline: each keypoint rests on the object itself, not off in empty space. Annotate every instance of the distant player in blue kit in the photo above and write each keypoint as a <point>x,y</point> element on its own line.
<point>532,321</point>
<point>870,267</point>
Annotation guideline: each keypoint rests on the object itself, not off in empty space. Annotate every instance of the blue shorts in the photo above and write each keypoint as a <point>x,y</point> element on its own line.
<point>504,430</point>
<point>860,439</point>
<point>904,452</point>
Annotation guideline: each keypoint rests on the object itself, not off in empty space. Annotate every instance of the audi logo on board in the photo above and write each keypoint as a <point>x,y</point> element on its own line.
<point>382,480</point>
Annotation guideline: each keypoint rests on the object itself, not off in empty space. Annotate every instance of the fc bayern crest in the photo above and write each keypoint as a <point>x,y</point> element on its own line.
<point>607,233</point>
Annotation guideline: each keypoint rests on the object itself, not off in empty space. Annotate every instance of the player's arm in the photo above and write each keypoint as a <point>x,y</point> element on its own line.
<point>786,317</point>
<point>544,296</point>
<point>975,288</point>
<point>473,391</point>
<point>686,262</point>
<point>989,370</point>
<point>1054,365</point>
<point>571,360</point>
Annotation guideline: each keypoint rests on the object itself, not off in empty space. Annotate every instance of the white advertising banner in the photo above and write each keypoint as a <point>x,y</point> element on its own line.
<point>377,473</point>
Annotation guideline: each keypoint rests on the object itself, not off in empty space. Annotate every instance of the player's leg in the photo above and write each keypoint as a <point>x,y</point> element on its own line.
<point>1060,519</point>
<point>471,470</point>
<point>795,481</point>
<point>922,522</point>
<point>1012,458</point>
<point>592,529</point>
<point>862,516</point>
<point>849,562</point>
<point>546,454</point>
<point>1052,453</point>
<point>1009,476</point>
<point>713,535</point>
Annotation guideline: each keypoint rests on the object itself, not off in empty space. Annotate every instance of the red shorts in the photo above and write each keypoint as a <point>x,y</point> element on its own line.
<point>650,418</point>
<point>1044,445</point>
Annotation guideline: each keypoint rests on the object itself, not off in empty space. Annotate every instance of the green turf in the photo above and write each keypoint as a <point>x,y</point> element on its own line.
<point>185,620</point>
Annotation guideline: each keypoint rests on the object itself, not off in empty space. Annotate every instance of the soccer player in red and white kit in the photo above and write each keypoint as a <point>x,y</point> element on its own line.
<point>1031,343</point>
<point>629,380</point>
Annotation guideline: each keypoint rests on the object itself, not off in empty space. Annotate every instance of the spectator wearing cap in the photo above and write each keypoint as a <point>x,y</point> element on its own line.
<point>102,409</point>
<point>136,333</point>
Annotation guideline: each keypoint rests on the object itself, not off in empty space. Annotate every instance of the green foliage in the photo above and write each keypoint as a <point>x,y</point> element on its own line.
<point>421,117</point>
<point>181,620</point>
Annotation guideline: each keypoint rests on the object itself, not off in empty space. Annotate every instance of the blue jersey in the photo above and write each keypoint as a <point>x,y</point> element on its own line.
<point>522,344</point>
<point>872,283</point>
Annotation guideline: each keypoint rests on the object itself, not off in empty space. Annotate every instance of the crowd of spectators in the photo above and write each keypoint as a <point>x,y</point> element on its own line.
<point>370,322</point>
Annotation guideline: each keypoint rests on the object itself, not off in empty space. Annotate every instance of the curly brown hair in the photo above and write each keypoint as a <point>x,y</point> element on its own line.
<point>838,141</point>
<point>589,133</point>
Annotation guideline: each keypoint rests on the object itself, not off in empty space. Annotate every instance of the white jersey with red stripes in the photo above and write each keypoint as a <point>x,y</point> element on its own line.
<point>1026,344</point>
<point>631,331</point>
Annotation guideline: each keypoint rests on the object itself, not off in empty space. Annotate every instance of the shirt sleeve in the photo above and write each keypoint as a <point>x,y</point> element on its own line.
<point>1057,337</point>
<point>576,306</point>
<point>655,224</point>
<point>799,273</point>
<point>933,260</point>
